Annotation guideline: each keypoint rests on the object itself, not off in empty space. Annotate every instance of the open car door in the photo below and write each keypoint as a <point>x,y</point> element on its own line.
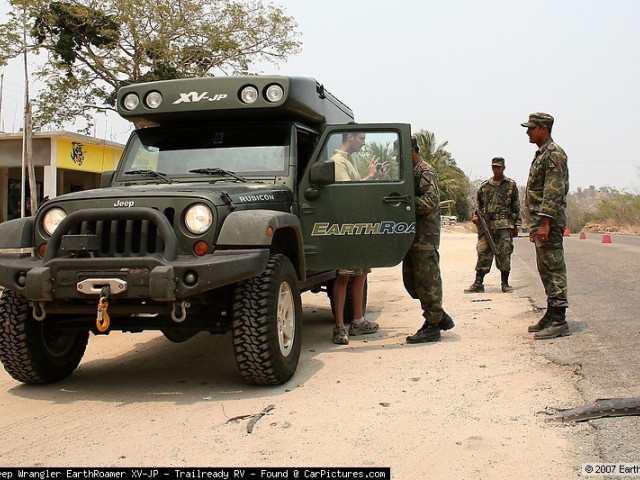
<point>359,223</point>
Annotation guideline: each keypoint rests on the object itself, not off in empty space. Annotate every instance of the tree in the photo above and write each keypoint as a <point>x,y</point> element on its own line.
<point>96,46</point>
<point>13,43</point>
<point>453,183</point>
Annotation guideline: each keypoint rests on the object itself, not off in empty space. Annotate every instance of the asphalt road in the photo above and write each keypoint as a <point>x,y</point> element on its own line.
<point>604,298</point>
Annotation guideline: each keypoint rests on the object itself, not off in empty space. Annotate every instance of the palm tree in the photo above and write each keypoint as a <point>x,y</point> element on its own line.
<point>452,180</point>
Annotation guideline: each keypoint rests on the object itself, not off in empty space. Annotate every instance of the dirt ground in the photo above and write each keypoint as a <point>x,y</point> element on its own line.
<point>470,406</point>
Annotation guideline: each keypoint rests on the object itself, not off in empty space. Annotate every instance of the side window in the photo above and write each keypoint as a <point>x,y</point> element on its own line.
<point>363,156</point>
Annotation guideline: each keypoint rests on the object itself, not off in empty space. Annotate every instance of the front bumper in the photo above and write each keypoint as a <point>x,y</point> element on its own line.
<point>161,276</point>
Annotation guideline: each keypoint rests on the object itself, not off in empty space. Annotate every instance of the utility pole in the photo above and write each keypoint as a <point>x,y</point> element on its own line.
<point>1,87</point>
<point>27,136</point>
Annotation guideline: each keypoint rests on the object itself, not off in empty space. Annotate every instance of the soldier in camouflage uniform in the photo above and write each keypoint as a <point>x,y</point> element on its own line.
<point>546,202</point>
<point>498,203</point>
<point>421,265</point>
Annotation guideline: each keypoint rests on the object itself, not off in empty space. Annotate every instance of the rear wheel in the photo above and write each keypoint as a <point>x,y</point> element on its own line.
<point>267,324</point>
<point>36,351</point>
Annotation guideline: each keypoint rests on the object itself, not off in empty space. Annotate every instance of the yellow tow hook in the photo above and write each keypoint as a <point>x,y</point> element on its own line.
<point>102,322</point>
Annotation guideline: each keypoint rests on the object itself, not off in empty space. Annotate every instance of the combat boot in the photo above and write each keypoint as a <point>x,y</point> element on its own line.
<point>506,288</point>
<point>476,286</point>
<point>427,333</point>
<point>557,326</point>
<point>446,323</point>
<point>542,323</point>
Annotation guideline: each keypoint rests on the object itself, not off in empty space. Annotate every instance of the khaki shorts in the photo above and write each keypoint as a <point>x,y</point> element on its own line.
<point>354,272</point>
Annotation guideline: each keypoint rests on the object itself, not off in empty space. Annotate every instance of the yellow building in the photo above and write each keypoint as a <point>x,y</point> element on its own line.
<point>64,162</point>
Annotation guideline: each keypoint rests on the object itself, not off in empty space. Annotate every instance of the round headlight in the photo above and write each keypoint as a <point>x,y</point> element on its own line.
<point>153,99</point>
<point>198,218</point>
<point>52,219</point>
<point>131,101</point>
<point>274,93</point>
<point>249,94</point>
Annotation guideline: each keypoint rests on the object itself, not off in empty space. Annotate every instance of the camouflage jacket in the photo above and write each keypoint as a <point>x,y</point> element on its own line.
<point>499,203</point>
<point>427,195</point>
<point>548,185</point>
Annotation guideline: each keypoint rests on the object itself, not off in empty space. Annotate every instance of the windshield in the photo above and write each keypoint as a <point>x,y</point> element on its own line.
<point>246,150</point>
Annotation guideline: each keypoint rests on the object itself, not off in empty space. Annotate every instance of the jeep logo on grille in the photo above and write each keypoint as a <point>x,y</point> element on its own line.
<point>128,203</point>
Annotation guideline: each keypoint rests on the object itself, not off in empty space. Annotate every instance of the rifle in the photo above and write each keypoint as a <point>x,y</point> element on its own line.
<point>487,233</point>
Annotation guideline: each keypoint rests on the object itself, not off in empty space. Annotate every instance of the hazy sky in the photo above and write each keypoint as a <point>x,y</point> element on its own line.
<point>472,71</point>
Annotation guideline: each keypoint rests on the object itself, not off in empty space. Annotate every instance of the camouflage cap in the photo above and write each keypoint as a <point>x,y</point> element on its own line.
<point>539,119</point>
<point>499,161</point>
<point>414,143</point>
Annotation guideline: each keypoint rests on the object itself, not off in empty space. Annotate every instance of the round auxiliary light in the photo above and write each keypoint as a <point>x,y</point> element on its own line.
<point>198,218</point>
<point>274,93</point>
<point>249,94</point>
<point>52,219</point>
<point>131,101</point>
<point>153,100</point>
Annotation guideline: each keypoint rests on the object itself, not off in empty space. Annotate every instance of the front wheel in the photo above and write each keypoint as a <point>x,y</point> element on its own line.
<point>267,324</point>
<point>36,351</point>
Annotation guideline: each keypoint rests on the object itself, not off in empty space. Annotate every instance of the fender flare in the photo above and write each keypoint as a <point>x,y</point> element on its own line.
<point>17,233</point>
<point>250,228</point>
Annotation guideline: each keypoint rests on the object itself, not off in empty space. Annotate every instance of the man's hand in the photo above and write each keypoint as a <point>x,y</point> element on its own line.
<point>543,231</point>
<point>377,169</point>
<point>475,219</point>
<point>515,231</point>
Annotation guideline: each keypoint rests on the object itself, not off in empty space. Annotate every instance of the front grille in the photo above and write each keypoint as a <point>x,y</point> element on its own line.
<point>133,232</point>
<point>125,238</point>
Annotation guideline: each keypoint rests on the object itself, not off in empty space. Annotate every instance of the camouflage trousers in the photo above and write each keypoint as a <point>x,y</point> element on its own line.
<point>503,238</point>
<point>421,277</point>
<point>552,268</point>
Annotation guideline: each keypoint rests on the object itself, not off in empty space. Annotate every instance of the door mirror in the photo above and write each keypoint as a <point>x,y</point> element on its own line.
<point>323,173</point>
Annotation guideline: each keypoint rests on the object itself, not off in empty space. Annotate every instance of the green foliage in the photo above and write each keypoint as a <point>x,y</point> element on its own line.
<point>453,183</point>
<point>384,153</point>
<point>578,213</point>
<point>621,208</point>
<point>70,28</point>
<point>96,46</point>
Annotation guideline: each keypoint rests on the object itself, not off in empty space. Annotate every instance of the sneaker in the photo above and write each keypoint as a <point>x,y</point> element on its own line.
<point>446,323</point>
<point>475,288</point>
<point>428,333</point>
<point>364,328</point>
<point>555,329</point>
<point>506,288</point>
<point>340,336</point>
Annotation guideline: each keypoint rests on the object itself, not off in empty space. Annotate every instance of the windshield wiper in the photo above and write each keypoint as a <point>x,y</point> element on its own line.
<point>217,171</point>
<point>150,173</point>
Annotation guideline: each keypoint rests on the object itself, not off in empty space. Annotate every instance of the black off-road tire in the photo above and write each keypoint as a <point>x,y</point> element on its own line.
<point>267,324</point>
<point>348,304</point>
<point>33,351</point>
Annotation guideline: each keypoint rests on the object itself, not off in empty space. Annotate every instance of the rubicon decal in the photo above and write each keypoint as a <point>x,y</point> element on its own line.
<point>381,228</point>
<point>257,198</point>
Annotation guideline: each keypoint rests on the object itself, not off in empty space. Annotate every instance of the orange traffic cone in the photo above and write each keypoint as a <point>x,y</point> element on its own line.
<point>582,236</point>
<point>566,232</point>
<point>606,239</point>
